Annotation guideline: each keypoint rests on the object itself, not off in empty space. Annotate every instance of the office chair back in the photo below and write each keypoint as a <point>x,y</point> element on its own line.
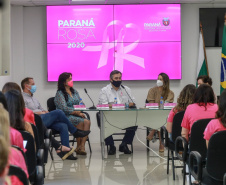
<point>30,153</point>
<point>98,119</point>
<point>39,126</point>
<point>197,142</point>
<point>216,156</point>
<point>19,173</point>
<point>176,127</point>
<point>50,104</point>
<point>36,137</point>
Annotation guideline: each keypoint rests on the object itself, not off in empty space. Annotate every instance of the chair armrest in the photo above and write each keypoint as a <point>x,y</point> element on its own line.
<point>87,115</point>
<point>195,165</point>
<point>40,157</point>
<point>48,134</point>
<point>164,136</point>
<point>181,141</point>
<point>39,176</point>
<point>46,149</point>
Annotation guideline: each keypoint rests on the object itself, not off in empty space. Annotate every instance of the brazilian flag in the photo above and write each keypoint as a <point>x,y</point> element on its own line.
<point>223,60</point>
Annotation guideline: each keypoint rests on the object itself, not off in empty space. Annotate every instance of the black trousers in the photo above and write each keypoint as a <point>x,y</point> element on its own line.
<point>127,139</point>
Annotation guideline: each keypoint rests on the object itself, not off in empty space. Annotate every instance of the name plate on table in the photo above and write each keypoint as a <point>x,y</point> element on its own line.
<point>169,105</point>
<point>102,106</point>
<point>79,107</point>
<point>118,106</point>
<point>152,105</point>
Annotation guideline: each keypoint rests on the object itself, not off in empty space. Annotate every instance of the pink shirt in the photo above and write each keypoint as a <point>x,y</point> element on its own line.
<point>213,126</point>
<point>16,138</point>
<point>195,112</point>
<point>16,158</point>
<point>171,115</point>
<point>29,116</point>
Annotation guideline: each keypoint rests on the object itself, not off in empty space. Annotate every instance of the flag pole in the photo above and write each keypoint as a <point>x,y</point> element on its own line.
<point>204,48</point>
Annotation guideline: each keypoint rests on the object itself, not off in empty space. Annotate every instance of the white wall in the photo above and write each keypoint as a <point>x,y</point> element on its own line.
<point>29,58</point>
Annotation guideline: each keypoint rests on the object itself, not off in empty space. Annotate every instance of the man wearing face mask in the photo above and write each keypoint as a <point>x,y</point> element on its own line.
<point>108,95</point>
<point>55,119</point>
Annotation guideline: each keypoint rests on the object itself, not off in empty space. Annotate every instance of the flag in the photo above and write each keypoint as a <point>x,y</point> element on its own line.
<point>223,60</point>
<point>202,64</point>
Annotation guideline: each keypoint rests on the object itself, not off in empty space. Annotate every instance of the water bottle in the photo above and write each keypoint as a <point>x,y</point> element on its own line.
<point>81,102</point>
<point>115,101</point>
<point>161,105</point>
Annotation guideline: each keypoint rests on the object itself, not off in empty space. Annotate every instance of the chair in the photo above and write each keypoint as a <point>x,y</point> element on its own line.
<point>19,173</point>
<point>214,171</point>
<point>176,131</point>
<point>51,106</point>
<point>224,180</point>
<point>115,134</point>
<point>197,143</point>
<point>22,152</point>
<point>44,143</point>
<point>36,173</point>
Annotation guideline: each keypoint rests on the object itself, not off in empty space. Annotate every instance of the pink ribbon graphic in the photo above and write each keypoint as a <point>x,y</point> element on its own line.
<point>121,52</point>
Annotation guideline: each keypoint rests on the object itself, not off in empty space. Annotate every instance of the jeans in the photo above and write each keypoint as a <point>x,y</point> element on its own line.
<point>57,120</point>
<point>127,139</point>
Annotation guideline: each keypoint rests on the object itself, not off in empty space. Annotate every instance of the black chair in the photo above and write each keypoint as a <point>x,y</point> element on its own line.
<point>36,173</point>
<point>197,143</point>
<point>213,173</point>
<point>44,137</point>
<point>115,134</point>
<point>19,173</point>
<point>176,131</point>
<point>51,106</point>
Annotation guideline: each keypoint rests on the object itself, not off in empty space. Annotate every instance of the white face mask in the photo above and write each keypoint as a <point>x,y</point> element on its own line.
<point>159,83</point>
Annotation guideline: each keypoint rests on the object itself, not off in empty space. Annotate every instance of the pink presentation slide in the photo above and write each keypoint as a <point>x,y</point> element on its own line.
<point>141,41</point>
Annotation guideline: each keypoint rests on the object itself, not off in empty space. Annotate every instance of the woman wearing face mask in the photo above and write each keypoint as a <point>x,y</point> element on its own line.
<point>154,95</point>
<point>65,98</point>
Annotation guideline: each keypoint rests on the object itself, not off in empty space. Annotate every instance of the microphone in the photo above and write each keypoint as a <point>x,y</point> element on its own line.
<point>93,107</point>
<point>134,106</point>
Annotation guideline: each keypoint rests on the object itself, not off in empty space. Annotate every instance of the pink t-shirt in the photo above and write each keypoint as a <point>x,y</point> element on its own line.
<point>16,138</point>
<point>171,115</point>
<point>16,158</point>
<point>195,112</point>
<point>29,116</point>
<point>213,126</point>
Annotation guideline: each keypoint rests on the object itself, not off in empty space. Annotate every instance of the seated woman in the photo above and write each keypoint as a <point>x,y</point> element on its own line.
<point>154,95</point>
<point>65,98</point>
<point>16,111</point>
<point>218,124</point>
<point>15,136</point>
<point>203,107</point>
<point>185,98</point>
<point>29,115</point>
<point>15,156</point>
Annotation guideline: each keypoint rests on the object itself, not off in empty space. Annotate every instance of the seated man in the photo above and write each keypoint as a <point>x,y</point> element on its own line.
<point>122,94</point>
<point>55,119</point>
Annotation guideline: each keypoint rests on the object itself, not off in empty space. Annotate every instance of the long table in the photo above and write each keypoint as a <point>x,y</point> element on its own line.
<point>114,120</point>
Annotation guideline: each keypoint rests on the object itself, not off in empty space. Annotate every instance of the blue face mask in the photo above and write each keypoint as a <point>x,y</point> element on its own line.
<point>33,89</point>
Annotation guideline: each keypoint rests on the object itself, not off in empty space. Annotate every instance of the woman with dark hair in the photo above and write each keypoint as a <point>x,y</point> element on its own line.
<point>16,111</point>
<point>65,98</point>
<point>185,98</point>
<point>203,107</point>
<point>218,124</point>
<point>161,89</point>
<point>204,79</point>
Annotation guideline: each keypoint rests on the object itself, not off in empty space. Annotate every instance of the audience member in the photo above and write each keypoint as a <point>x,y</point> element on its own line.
<point>154,95</point>
<point>55,119</point>
<point>66,97</point>
<point>16,139</point>
<point>123,95</point>
<point>203,107</point>
<point>219,123</point>
<point>185,98</point>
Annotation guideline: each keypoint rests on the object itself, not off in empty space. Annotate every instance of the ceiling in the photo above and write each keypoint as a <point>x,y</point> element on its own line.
<point>75,2</point>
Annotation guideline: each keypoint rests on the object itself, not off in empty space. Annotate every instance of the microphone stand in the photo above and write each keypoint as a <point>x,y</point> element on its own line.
<point>134,106</point>
<point>93,107</point>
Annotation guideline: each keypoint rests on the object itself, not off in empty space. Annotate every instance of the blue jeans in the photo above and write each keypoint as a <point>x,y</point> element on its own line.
<point>57,120</point>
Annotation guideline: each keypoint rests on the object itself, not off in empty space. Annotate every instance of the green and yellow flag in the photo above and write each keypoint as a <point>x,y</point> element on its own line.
<point>223,59</point>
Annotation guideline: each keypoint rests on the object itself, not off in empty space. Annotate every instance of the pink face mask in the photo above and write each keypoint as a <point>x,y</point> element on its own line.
<point>70,83</point>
